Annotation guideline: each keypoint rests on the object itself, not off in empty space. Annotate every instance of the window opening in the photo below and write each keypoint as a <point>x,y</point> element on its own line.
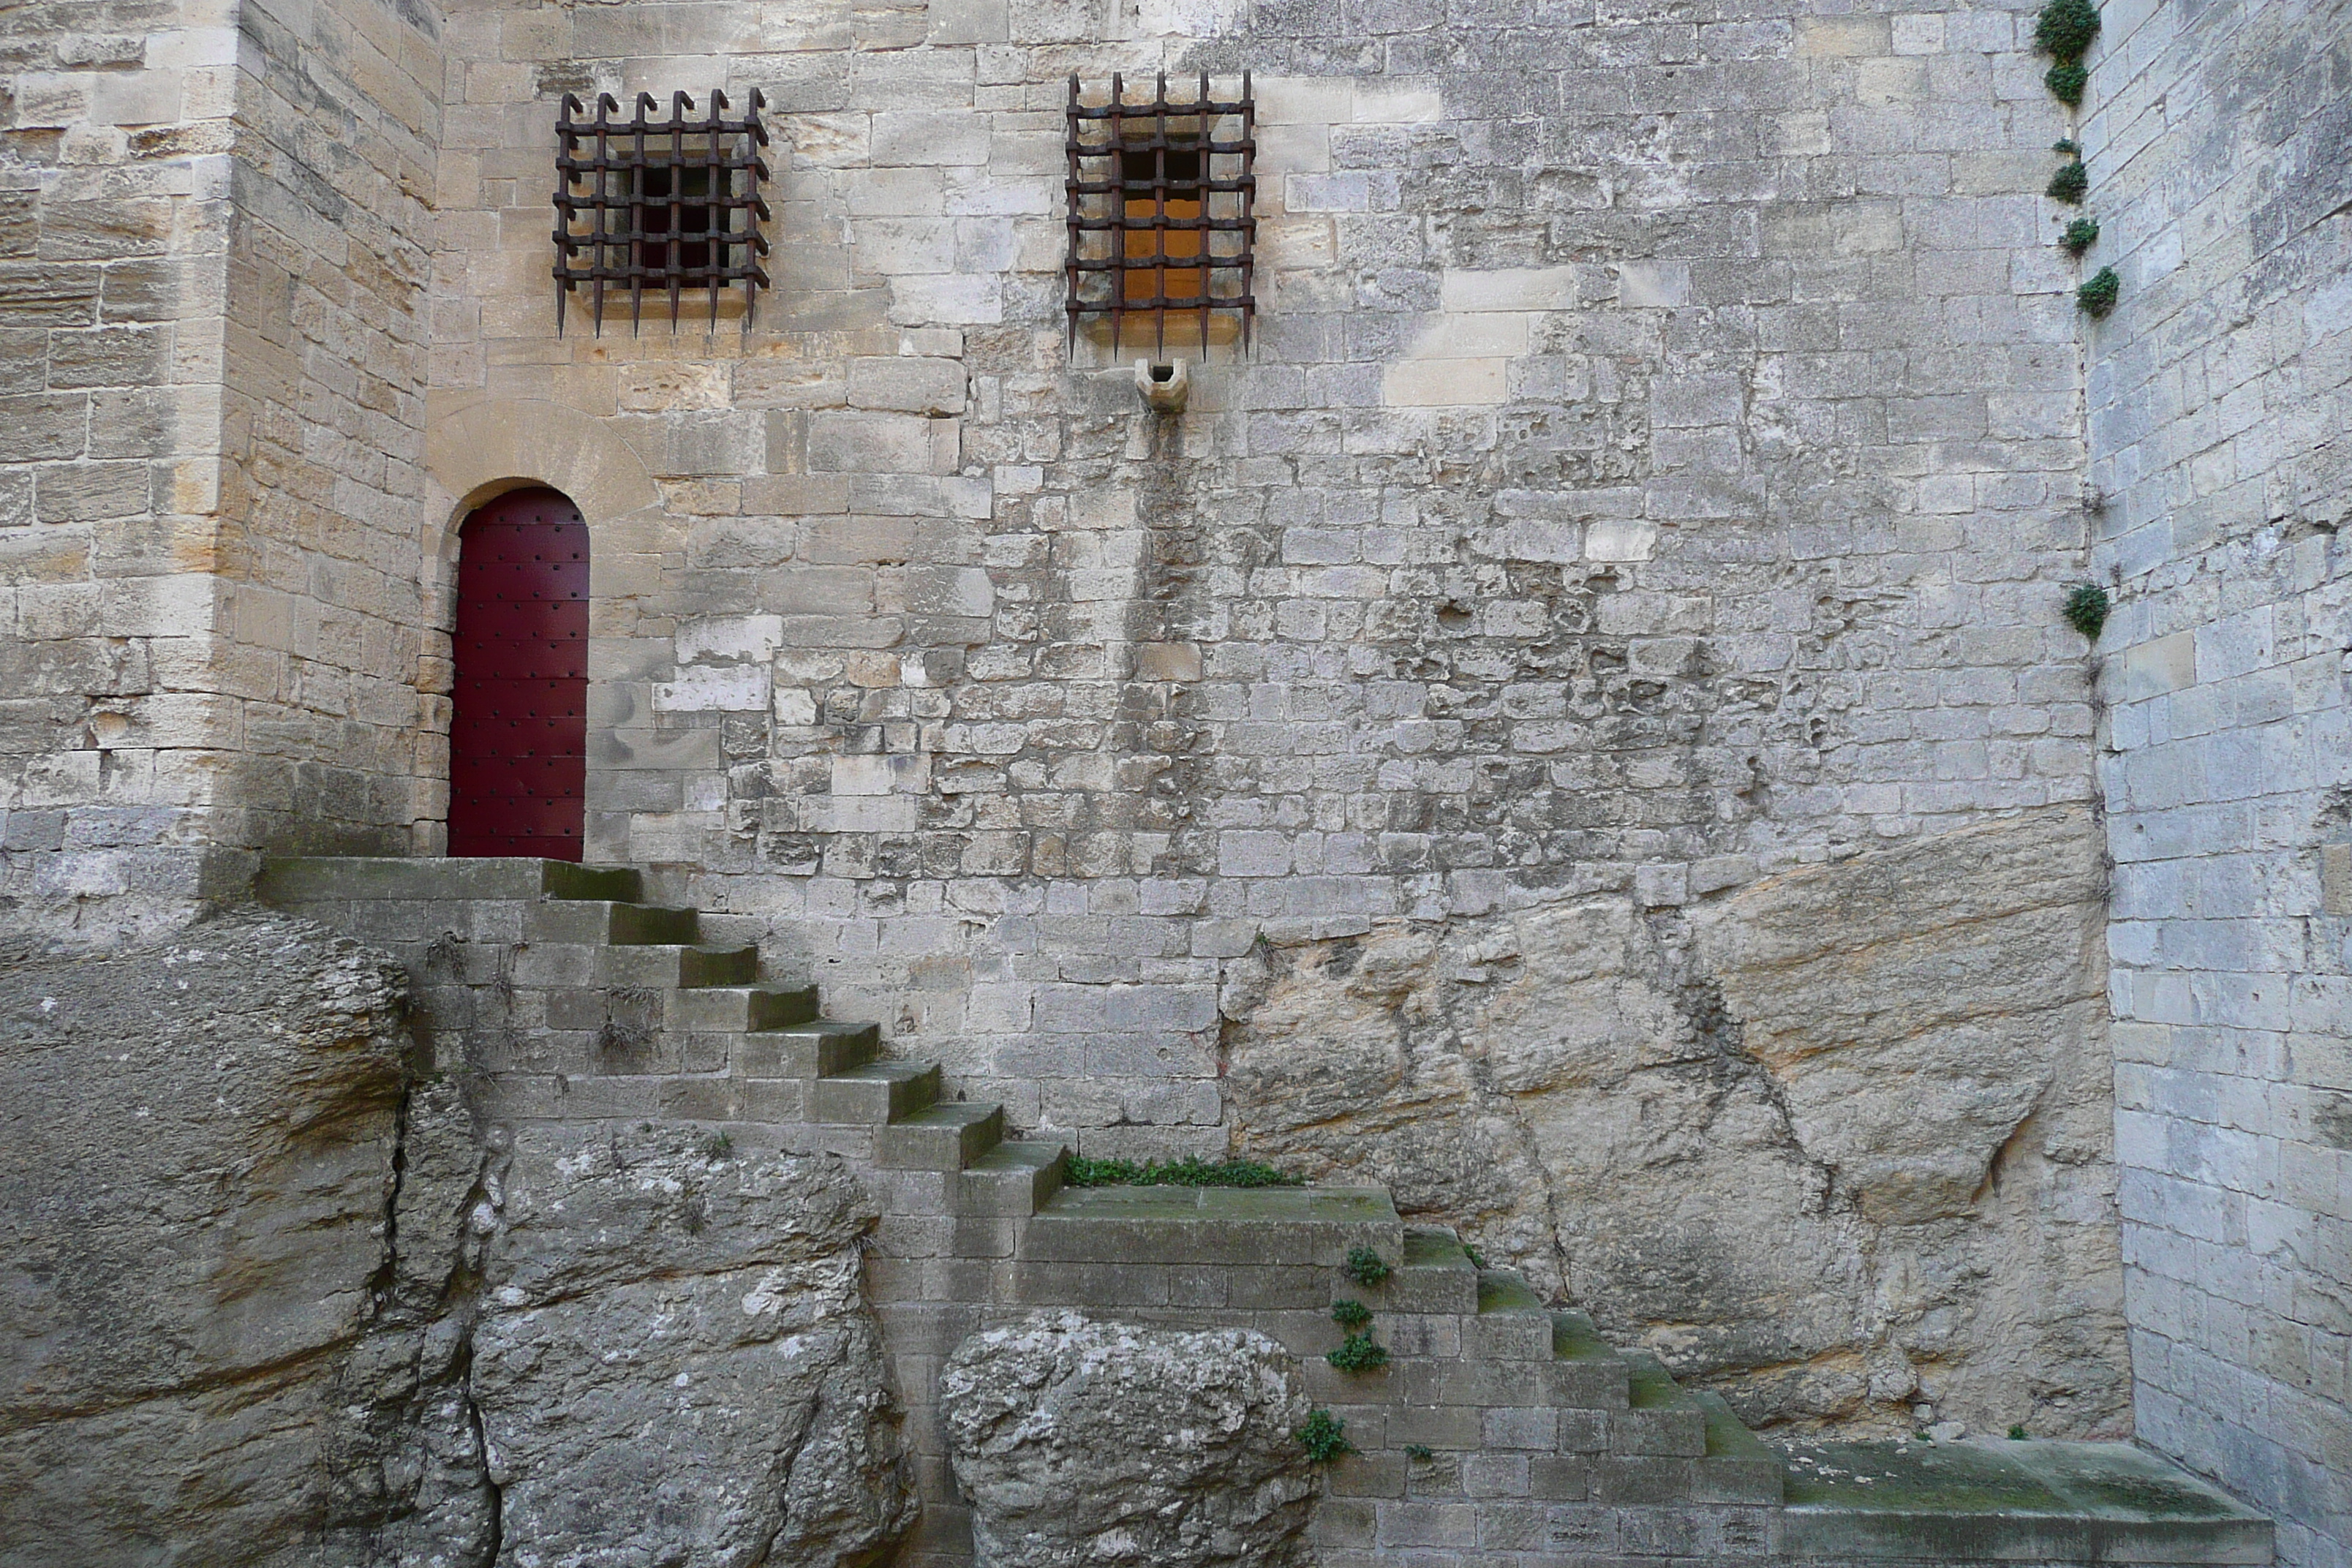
<point>1163,209</point>
<point>672,204</point>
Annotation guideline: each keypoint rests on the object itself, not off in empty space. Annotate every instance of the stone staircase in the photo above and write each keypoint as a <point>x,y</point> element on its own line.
<point>1499,1431</point>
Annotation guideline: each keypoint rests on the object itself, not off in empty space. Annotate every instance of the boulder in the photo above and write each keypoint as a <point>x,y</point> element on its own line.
<point>1084,1442</point>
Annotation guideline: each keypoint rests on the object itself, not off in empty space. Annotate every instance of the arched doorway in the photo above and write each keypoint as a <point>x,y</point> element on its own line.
<point>519,727</point>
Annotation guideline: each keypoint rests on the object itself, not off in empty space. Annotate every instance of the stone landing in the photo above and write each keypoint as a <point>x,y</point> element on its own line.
<point>1498,1432</point>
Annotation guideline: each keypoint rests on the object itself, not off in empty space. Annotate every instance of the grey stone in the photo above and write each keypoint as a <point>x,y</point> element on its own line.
<point>1081,1441</point>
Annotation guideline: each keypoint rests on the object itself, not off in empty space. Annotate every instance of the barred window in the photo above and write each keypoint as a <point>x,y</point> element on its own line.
<point>671,205</point>
<point>1162,212</point>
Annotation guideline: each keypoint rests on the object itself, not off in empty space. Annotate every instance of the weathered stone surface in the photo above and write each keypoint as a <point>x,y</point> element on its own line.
<point>675,1363</point>
<point>1835,1144</point>
<point>1081,1442</point>
<point>274,1301</point>
<point>198,1164</point>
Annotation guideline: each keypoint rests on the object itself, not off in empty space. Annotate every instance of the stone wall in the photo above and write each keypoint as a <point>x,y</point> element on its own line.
<point>2220,147</point>
<point>1659,464</point>
<point>115,203</point>
<point>213,262</point>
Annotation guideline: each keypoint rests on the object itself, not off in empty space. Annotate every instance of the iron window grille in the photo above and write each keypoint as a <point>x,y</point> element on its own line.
<point>1163,209</point>
<point>669,204</point>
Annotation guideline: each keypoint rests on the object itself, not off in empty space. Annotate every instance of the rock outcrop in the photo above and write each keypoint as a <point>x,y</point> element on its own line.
<point>673,1363</point>
<point>275,1299</point>
<point>1082,1443</point>
<point>1836,1144</point>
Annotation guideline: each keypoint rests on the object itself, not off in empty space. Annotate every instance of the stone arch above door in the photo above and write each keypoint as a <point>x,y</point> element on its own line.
<point>475,452</point>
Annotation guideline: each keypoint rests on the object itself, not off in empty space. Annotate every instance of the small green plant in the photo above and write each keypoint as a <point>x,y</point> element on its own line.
<point>1357,1352</point>
<point>1477,1258</point>
<point>2087,608</point>
<point>2066,148</point>
<point>2017,1434</point>
<point>1189,1171</point>
<point>2069,183</point>
<point>2064,29</point>
<point>717,1146</point>
<point>1418,1453</point>
<point>1351,1315</point>
<point>1366,1267</point>
<point>2080,236</point>
<point>2097,296</point>
<point>1324,1436</point>
<point>2066,83</point>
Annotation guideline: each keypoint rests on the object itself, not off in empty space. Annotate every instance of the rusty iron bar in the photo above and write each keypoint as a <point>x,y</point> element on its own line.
<point>612,175</point>
<point>1111,200</point>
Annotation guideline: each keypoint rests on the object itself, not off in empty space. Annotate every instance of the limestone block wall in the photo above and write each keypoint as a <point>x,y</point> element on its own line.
<point>2221,158</point>
<point>115,203</point>
<point>1658,464</point>
<point>319,666</point>
<point>209,500</point>
<point>1657,470</point>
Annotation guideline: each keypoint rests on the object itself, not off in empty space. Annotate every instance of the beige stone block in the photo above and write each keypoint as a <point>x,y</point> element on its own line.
<point>2336,878</point>
<point>1509,288</point>
<point>904,384</point>
<point>2154,667</point>
<point>1843,36</point>
<point>1304,100</point>
<point>473,451</point>
<point>1168,661</point>
<point>1443,382</point>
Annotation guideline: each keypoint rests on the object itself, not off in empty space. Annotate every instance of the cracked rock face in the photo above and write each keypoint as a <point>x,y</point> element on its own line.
<point>1836,1144</point>
<point>674,1361</point>
<point>1081,1442</point>
<point>275,1301</point>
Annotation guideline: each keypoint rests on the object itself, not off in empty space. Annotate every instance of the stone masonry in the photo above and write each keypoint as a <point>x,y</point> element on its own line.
<point>2219,142</point>
<point>1583,705</point>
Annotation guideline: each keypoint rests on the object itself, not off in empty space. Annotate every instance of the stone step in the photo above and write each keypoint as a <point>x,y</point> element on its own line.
<point>742,1009</point>
<point>877,1092</point>
<point>1013,1178</point>
<point>1433,1275</point>
<point>1995,1500</point>
<point>940,1138</point>
<point>1512,1323</point>
<point>613,922</point>
<point>311,878</point>
<point>1739,1467</point>
<point>673,964</point>
<point>1660,1420</point>
<point>821,1049</point>
<point>1306,1227</point>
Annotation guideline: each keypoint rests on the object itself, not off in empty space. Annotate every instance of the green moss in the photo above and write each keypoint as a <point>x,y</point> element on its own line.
<point>2097,296</point>
<point>1324,1436</point>
<point>2080,236</point>
<point>2066,83</point>
<point>2069,184</point>
<point>2065,28</point>
<point>2086,611</point>
<point>1190,1172</point>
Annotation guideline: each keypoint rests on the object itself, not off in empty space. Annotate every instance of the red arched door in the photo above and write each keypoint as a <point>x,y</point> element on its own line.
<point>519,732</point>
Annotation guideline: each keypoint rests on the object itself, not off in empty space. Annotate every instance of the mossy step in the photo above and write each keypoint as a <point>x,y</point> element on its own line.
<point>2009,1501</point>
<point>1506,1290</point>
<point>738,1009</point>
<point>1012,1179</point>
<point>1433,1274</point>
<point>1258,1227</point>
<point>1739,1467</point>
<point>1574,1338</point>
<point>348,879</point>
<point>940,1138</point>
<point>614,921</point>
<point>877,1092</point>
<point>679,964</point>
<point>1511,1324</point>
